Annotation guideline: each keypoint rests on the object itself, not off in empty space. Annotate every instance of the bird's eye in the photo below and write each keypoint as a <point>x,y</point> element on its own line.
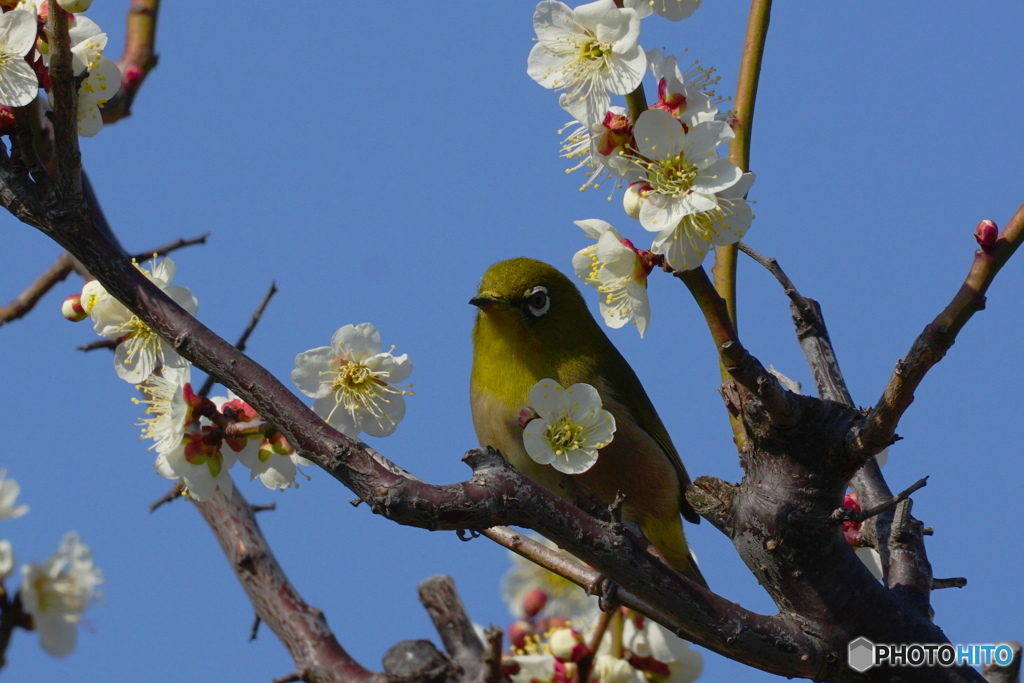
<point>537,301</point>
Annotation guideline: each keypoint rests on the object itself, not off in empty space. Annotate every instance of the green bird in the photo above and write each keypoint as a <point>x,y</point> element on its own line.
<point>533,324</point>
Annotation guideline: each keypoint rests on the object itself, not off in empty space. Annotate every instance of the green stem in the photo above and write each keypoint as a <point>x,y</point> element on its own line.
<point>724,270</point>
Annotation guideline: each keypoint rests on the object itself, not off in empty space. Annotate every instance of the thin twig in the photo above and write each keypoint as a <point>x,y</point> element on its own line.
<point>240,344</point>
<point>23,304</point>
<point>137,60</point>
<point>110,344</point>
<point>847,514</point>
<point>172,495</point>
<point>955,582</point>
<point>256,621</point>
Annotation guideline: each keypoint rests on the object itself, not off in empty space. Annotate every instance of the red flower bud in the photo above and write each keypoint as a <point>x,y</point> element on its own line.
<point>518,632</point>
<point>986,233</point>
<point>534,601</point>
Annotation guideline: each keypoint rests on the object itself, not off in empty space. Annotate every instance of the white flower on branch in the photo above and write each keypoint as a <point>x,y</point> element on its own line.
<point>58,591</point>
<point>140,350</point>
<point>354,383</point>
<point>18,82</point>
<point>571,426</point>
<point>615,269</point>
<point>590,52</point>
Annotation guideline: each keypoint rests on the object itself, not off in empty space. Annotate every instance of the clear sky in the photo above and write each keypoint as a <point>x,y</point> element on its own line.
<point>374,161</point>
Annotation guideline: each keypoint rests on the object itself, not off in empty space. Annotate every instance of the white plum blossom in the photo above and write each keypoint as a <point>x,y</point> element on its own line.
<point>18,82</point>
<point>354,383</point>
<point>571,426</point>
<point>590,52</point>
<point>600,148</point>
<point>167,408</point>
<point>681,169</point>
<point>615,269</point>
<point>100,85</point>
<point>141,350</point>
<point>685,244</point>
<point>57,592</point>
<point>645,638</point>
<point>673,10</point>
<point>9,490</point>
<point>688,97</point>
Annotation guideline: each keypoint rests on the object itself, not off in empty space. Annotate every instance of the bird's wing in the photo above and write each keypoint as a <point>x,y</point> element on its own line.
<point>629,391</point>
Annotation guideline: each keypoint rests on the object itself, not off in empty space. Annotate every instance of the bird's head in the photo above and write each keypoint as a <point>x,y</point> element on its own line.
<point>533,300</point>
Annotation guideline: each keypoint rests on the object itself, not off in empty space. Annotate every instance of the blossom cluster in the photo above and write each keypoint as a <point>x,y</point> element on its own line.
<point>678,187</point>
<point>25,57</point>
<point>197,439</point>
<point>554,638</point>
<point>54,594</point>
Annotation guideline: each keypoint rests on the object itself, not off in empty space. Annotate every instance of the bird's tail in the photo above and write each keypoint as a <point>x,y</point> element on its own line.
<point>667,536</point>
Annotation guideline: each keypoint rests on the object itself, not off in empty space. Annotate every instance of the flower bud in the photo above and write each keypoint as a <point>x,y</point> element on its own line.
<point>567,645</point>
<point>533,602</point>
<point>986,234</point>
<point>851,530</point>
<point>72,309</point>
<point>280,444</point>
<point>518,632</point>
<point>633,198</point>
<point>74,6</point>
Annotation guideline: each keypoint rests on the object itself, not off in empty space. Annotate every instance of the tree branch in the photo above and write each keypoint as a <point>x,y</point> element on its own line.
<point>938,336</point>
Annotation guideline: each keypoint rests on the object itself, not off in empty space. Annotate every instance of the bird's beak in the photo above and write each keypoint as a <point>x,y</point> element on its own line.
<point>484,301</point>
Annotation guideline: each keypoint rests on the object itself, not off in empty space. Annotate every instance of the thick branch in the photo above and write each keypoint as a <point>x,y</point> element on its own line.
<point>931,345</point>
<point>301,628</point>
<point>67,157</point>
<point>447,612</point>
<point>498,495</point>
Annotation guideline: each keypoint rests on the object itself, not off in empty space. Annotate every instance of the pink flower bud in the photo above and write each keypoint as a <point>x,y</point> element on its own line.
<point>518,632</point>
<point>72,309</point>
<point>534,601</point>
<point>986,233</point>
<point>131,76</point>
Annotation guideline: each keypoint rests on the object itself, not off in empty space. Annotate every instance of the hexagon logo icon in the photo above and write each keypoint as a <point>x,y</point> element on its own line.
<point>861,654</point>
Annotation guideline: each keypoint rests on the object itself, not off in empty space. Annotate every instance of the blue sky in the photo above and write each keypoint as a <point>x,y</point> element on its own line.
<point>374,163</point>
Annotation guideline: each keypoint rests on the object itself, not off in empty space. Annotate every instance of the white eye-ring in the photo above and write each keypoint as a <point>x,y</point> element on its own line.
<point>537,301</point>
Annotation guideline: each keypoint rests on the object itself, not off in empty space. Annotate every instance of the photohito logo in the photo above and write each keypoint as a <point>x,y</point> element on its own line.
<point>863,654</point>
